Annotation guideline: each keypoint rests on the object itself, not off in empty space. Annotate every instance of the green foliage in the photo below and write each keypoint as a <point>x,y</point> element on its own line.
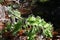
<point>13,28</point>
<point>37,24</point>
<point>8,26</point>
<point>1,1</point>
<point>16,13</point>
<point>17,27</point>
<point>31,33</point>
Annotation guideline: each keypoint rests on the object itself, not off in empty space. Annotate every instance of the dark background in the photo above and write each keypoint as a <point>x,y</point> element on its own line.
<point>50,11</point>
